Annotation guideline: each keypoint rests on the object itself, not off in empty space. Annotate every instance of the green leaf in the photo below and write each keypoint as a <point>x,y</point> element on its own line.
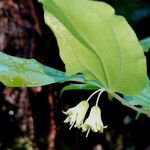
<point>141,99</point>
<point>20,72</point>
<point>146,44</point>
<point>81,86</point>
<point>97,43</point>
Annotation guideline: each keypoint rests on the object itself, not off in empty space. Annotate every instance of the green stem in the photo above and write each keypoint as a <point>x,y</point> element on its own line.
<point>120,99</point>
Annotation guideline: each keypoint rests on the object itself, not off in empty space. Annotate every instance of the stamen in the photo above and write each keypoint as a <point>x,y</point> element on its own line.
<point>72,125</point>
<point>87,133</point>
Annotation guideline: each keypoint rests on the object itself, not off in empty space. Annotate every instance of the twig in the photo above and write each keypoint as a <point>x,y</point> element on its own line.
<point>120,99</point>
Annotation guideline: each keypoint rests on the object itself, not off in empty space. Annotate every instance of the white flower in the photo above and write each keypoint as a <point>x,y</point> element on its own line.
<point>76,114</point>
<point>94,121</point>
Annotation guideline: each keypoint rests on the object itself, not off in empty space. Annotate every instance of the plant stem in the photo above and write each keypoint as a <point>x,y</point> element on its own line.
<point>120,99</point>
<point>98,97</point>
<point>93,94</point>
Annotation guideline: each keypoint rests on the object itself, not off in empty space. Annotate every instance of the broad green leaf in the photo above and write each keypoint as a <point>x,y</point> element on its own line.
<point>81,86</point>
<point>141,99</point>
<point>145,44</point>
<point>16,72</point>
<point>99,44</point>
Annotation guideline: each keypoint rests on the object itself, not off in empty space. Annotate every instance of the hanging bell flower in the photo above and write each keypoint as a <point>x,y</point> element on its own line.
<point>94,121</point>
<point>77,114</point>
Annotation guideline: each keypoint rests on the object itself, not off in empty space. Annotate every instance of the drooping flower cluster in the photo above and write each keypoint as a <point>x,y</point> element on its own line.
<point>76,116</point>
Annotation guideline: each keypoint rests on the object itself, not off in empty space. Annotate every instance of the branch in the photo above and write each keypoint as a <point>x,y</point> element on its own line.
<point>120,99</point>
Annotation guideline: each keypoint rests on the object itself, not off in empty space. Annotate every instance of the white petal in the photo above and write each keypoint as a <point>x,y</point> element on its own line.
<point>67,120</point>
